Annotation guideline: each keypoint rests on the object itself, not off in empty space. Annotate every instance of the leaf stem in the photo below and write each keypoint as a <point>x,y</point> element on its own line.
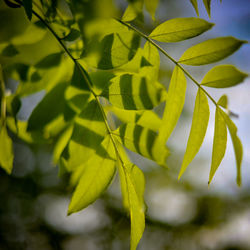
<point>169,57</point>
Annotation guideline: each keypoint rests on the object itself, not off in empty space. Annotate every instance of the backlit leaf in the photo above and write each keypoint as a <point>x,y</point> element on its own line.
<point>198,129</point>
<point>96,175</point>
<point>131,91</point>
<point>210,51</point>
<point>132,184</point>
<point>142,141</point>
<point>223,76</point>
<point>219,142</point>
<point>132,11</point>
<point>151,7</point>
<point>174,104</point>
<point>238,149</point>
<point>6,152</point>
<point>178,29</point>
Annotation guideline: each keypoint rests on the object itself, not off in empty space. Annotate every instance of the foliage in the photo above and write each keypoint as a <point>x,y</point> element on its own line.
<point>94,68</point>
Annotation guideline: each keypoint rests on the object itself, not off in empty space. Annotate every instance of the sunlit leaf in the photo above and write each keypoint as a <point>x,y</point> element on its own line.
<point>195,5</point>
<point>151,7</point>
<point>207,4</point>
<point>198,129</point>
<point>142,141</point>
<point>132,184</point>
<point>131,91</point>
<point>223,76</point>
<point>174,104</point>
<point>96,175</point>
<point>238,149</point>
<point>146,118</point>
<point>210,51</point>
<point>178,29</point>
<point>132,11</point>
<point>6,152</point>
<point>219,142</point>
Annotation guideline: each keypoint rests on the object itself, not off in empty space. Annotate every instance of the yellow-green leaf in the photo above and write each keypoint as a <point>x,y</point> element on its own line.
<point>223,102</point>
<point>142,141</point>
<point>131,91</point>
<point>238,149</point>
<point>6,152</point>
<point>207,4</point>
<point>174,104</point>
<point>179,29</point>
<point>132,11</point>
<point>195,5</point>
<point>210,51</point>
<point>223,76</point>
<point>151,6</point>
<point>132,184</point>
<point>96,175</point>
<point>219,142</point>
<point>198,129</point>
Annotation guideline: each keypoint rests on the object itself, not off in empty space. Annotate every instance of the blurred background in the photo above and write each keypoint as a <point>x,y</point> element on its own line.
<point>181,214</point>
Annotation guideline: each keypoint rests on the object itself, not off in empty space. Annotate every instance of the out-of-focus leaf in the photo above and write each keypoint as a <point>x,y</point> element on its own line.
<point>207,4</point>
<point>151,6</point>
<point>210,51</point>
<point>96,175</point>
<point>178,29</point>
<point>130,91</point>
<point>132,185</point>
<point>6,152</point>
<point>198,129</point>
<point>50,107</point>
<point>238,149</point>
<point>9,51</point>
<point>219,142</point>
<point>49,61</point>
<point>195,5</point>
<point>132,11</point>
<point>223,76</point>
<point>142,141</point>
<point>174,104</point>
<point>27,4</point>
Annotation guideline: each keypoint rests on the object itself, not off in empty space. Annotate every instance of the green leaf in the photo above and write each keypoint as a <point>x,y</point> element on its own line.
<point>142,141</point>
<point>179,29</point>
<point>207,4</point>
<point>96,175</point>
<point>223,102</point>
<point>146,118</point>
<point>238,149</point>
<point>219,142</point>
<point>49,61</point>
<point>132,185</point>
<point>195,5</point>
<point>133,10</point>
<point>6,152</point>
<point>9,51</point>
<point>89,131</point>
<point>52,102</point>
<point>151,7</point>
<point>198,129</point>
<point>210,51</point>
<point>223,76</point>
<point>62,143</point>
<point>27,4</point>
<point>131,91</point>
<point>174,104</point>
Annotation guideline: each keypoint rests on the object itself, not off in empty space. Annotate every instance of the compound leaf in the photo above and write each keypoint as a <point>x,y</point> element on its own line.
<point>223,76</point>
<point>198,129</point>
<point>210,51</point>
<point>179,29</point>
